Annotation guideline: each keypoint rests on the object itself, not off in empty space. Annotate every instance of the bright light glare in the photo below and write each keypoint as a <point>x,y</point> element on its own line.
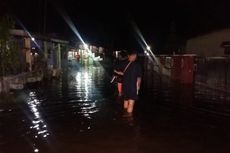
<point>86,46</point>
<point>70,23</point>
<point>140,37</point>
<point>37,122</point>
<point>28,33</point>
<point>73,28</point>
<point>148,48</point>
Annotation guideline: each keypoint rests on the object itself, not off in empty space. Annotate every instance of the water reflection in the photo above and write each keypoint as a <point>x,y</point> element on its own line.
<point>68,107</point>
<point>86,111</point>
<point>38,123</point>
<point>85,87</point>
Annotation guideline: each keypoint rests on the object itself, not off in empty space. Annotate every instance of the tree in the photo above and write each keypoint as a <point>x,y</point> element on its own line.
<point>9,59</point>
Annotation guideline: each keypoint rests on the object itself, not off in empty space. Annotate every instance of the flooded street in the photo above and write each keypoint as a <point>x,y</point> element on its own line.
<point>80,114</point>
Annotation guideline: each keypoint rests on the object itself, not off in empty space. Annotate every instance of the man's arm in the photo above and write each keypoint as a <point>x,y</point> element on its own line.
<point>138,82</point>
<point>118,72</point>
<point>139,76</point>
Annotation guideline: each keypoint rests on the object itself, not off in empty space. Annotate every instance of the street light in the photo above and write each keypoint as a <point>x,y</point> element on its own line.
<point>148,48</point>
<point>147,53</point>
<point>33,39</point>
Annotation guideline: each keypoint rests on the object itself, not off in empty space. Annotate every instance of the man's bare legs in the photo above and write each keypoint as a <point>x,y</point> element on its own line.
<point>129,105</point>
<point>126,104</point>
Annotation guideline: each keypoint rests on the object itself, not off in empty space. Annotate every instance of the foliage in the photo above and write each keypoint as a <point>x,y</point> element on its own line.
<point>9,57</point>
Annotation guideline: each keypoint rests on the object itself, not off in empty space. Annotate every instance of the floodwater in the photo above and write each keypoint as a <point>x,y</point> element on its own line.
<point>80,114</point>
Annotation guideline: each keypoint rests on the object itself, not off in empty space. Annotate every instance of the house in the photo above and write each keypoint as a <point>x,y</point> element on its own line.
<point>31,46</point>
<point>213,62</point>
<point>35,57</point>
<point>210,44</point>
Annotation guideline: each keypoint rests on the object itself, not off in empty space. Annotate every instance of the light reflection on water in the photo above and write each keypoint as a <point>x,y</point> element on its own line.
<point>85,87</point>
<point>47,108</point>
<point>38,123</point>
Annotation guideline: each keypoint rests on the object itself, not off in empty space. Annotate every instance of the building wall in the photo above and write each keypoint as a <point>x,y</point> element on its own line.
<point>213,73</point>
<point>49,47</point>
<point>209,44</point>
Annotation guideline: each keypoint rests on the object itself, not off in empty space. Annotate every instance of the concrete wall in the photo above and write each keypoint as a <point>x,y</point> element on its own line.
<point>214,73</point>
<point>179,68</point>
<point>209,44</point>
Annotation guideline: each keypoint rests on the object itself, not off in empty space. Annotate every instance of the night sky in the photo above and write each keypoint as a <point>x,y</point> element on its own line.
<point>108,23</point>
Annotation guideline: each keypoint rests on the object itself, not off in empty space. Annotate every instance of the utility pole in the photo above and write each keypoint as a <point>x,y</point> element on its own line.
<point>44,16</point>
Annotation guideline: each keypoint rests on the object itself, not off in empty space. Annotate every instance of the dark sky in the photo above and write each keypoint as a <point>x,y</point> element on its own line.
<point>108,23</point>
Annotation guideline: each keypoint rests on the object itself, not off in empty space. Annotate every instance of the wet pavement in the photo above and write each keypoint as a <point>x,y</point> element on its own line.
<point>81,114</point>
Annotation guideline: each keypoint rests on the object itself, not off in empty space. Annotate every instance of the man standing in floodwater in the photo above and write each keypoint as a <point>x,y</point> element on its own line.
<point>131,82</point>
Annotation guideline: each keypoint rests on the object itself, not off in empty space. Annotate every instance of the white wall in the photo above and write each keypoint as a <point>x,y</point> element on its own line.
<point>209,44</point>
